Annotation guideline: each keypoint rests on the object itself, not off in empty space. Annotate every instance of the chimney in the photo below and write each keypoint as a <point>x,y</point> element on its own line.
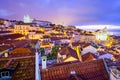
<point>44,62</point>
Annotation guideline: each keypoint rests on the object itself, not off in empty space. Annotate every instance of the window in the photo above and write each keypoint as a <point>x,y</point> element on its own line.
<point>5,74</point>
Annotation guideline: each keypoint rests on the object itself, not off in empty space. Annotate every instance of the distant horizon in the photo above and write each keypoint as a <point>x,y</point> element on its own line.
<point>80,25</point>
<point>114,30</point>
<point>102,26</point>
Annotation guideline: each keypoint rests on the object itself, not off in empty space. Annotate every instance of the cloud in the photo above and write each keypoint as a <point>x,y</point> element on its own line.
<point>22,4</point>
<point>4,13</point>
<point>91,27</point>
<point>67,11</point>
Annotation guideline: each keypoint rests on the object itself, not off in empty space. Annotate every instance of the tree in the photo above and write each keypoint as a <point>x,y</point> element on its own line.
<point>42,51</point>
<point>53,54</point>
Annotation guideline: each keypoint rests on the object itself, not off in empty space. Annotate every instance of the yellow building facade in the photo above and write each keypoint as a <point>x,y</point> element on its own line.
<point>22,29</point>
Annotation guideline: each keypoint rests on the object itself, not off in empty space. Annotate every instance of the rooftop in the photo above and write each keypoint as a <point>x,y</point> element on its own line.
<point>93,70</point>
<point>24,68</point>
<point>68,52</point>
<point>88,56</point>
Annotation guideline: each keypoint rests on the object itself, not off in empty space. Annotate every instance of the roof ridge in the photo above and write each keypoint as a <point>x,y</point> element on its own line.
<point>8,63</point>
<point>106,67</point>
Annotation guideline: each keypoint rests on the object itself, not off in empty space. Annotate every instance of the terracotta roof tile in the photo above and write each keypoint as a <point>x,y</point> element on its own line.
<point>5,32</point>
<point>86,45</point>
<point>93,70</point>
<point>24,68</point>
<point>20,51</point>
<point>88,57</point>
<point>68,52</point>
<point>75,44</point>
<point>4,47</point>
<point>2,63</point>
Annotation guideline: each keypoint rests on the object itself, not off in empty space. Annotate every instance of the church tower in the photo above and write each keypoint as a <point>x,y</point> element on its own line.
<point>27,19</point>
<point>105,30</point>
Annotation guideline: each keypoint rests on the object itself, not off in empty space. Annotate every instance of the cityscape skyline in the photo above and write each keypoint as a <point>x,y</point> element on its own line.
<point>59,40</point>
<point>72,12</point>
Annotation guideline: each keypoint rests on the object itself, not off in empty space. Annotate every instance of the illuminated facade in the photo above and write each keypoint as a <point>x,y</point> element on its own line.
<point>4,23</point>
<point>27,19</point>
<point>42,29</point>
<point>21,29</point>
<point>34,35</point>
<point>102,35</point>
<point>109,42</point>
<point>87,38</point>
<point>25,28</point>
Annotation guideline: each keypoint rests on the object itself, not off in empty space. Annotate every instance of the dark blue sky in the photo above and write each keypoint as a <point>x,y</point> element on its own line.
<point>74,12</point>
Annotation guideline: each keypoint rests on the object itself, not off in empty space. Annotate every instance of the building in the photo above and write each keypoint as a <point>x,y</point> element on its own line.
<point>4,23</point>
<point>35,35</point>
<point>67,54</point>
<point>42,23</point>
<point>102,35</point>
<point>89,48</point>
<point>114,74</point>
<point>17,69</point>
<point>88,57</point>
<point>87,38</point>
<point>24,28</point>
<point>107,55</point>
<point>92,70</point>
<point>27,19</point>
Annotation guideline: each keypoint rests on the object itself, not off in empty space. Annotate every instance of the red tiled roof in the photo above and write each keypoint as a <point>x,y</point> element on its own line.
<point>93,70</point>
<point>21,51</point>
<point>65,63</point>
<point>24,68</point>
<point>21,43</point>
<point>68,52</point>
<point>86,45</point>
<point>2,63</point>
<point>4,47</point>
<point>88,56</point>
<point>117,57</point>
<point>75,44</point>
<point>10,36</point>
<point>4,32</point>
<point>74,77</point>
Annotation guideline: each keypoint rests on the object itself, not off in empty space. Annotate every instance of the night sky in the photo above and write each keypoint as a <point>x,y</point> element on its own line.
<point>71,12</point>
